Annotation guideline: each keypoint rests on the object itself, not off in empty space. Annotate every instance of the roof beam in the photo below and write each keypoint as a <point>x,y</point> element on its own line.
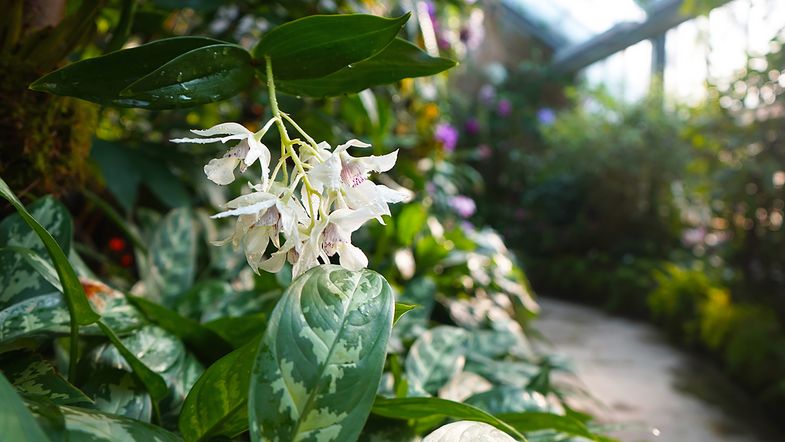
<point>661,17</point>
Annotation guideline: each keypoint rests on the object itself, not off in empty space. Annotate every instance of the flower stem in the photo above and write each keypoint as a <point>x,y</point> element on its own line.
<point>287,145</point>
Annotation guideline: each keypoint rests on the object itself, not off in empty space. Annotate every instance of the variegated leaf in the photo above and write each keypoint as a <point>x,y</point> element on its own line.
<point>162,353</point>
<point>435,357</point>
<point>91,425</point>
<point>321,359</point>
<point>118,392</point>
<point>513,373</point>
<point>510,400</point>
<point>16,422</point>
<point>468,431</point>
<point>45,315</point>
<point>19,279</point>
<point>51,214</point>
<point>172,257</point>
<point>37,378</point>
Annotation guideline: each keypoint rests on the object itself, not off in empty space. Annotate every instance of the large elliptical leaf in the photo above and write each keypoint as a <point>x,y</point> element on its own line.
<point>321,359</point>
<point>436,356</point>
<point>399,60</point>
<point>172,256</point>
<point>182,73</point>
<point>318,45</point>
<point>203,75</point>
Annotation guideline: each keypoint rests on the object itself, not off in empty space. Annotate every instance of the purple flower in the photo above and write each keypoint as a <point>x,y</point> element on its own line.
<point>472,126</point>
<point>447,135</point>
<point>546,116</point>
<point>487,94</point>
<point>462,205</point>
<point>504,108</point>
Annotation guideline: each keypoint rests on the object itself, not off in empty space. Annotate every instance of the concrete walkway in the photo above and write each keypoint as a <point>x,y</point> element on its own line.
<point>637,379</point>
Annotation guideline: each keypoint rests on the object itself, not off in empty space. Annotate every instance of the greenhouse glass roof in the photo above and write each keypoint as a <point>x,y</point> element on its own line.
<point>574,21</point>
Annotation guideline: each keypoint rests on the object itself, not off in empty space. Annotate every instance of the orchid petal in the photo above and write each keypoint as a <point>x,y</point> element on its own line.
<point>351,257</point>
<point>246,210</point>
<point>223,129</point>
<point>221,170</point>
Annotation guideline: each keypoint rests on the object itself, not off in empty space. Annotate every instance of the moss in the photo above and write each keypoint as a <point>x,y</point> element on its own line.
<point>44,139</point>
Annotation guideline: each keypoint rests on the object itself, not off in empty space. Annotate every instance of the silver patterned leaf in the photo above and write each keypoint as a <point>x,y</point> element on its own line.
<point>321,359</point>
<point>468,431</point>
<point>435,357</point>
<point>172,258</point>
<point>118,392</point>
<point>83,425</point>
<point>36,378</point>
<point>162,353</point>
<point>511,400</point>
<point>46,315</point>
<point>19,280</point>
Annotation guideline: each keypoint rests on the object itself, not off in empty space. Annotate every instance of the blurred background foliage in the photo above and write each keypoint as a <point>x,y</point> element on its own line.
<point>651,209</point>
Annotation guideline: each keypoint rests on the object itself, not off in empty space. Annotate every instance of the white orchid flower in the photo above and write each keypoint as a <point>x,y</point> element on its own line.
<point>249,150</point>
<point>262,218</point>
<point>348,175</point>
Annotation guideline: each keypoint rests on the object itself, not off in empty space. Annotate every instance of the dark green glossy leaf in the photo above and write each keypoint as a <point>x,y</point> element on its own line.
<point>203,75</point>
<point>427,407</point>
<point>83,425</point>
<point>16,422</point>
<point>126,168</point>
<point>318,45</point>
<point>217,405</point>
<point>436,356</point>
<point>204,342</point>
<point>101,79</point>
<point>321,359</point>
<point>535,421</point>
<point>76,299</point>
<point>397,61</point>
<point>239,330</point>
<point>37,378</point>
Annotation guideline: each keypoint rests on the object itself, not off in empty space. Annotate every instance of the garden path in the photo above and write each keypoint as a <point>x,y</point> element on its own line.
<point>658,392</point>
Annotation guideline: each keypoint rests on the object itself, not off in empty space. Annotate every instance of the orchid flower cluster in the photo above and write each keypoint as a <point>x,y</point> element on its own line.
<point>307,213</point>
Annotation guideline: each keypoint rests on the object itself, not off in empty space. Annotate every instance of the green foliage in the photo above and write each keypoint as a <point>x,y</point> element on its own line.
<point>217,405</point>
<point>344,53</point>
<point>16,421</point>
<point>328,42</point>
<point>399,60</point>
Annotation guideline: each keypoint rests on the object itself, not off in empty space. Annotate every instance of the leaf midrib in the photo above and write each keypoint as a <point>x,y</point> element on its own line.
<point>312,397</point>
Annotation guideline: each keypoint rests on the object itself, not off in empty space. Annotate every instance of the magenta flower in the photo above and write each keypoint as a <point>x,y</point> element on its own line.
<point>472,126</point>
<point>504,108</point>
<point>462,205</point>
<point>447,135</point>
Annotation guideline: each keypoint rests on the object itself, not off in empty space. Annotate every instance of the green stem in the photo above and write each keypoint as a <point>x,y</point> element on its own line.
<point>286,142</point>
<point>73,351</point>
